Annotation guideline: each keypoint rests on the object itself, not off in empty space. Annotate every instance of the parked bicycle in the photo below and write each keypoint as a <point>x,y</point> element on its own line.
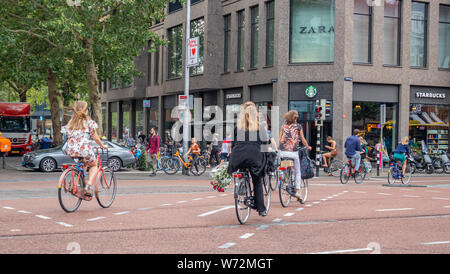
<point>197,167</point>
<point>72,182</point>
<point>244,198</point>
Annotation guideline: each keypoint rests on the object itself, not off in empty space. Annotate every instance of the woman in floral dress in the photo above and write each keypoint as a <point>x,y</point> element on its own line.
<point>79,132</point>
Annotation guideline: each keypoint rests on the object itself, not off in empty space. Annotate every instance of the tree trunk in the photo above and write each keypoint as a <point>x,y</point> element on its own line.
<point>54,99</point>
<point>94,95</point>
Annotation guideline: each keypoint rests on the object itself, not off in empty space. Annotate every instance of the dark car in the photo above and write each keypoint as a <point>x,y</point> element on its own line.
<point>48,160</point>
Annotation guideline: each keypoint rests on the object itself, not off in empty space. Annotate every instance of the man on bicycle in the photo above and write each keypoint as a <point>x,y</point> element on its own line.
<point>353,149</point>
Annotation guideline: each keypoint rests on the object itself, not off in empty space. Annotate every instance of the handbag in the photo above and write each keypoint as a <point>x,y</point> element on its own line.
<point>306,165</point>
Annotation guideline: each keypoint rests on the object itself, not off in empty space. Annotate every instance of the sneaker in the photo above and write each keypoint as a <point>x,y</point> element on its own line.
<point>263,213</point>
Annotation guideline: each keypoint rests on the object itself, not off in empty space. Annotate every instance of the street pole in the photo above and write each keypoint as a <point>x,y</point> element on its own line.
<point>186,79</point>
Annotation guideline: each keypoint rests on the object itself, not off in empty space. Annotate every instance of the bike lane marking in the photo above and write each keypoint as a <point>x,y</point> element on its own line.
<point>215,211</point>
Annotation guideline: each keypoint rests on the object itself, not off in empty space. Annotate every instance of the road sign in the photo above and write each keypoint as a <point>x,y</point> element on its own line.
<point>146,103</point>
<point>182,102</point>
<point>382,114</point>
<point>193,49</point>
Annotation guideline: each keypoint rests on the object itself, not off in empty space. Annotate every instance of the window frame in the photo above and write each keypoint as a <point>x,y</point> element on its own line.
<point>270,21</point>
<point>240,49</point>
<point>399,19</point>
<point>425,43</point>
<point>370,35</point>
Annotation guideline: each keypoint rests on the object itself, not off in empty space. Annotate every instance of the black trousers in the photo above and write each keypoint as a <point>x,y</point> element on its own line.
<point>214,154</point>
<point>258,193</point>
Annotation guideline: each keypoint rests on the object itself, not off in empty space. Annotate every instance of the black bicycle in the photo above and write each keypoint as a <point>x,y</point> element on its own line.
<point>244,198</point>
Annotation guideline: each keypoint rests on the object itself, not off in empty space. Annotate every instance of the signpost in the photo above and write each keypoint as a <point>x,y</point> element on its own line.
<point>193,48</point>
<point>186,77</point>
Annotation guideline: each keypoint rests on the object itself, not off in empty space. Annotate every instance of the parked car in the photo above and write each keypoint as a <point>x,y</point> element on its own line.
<point>48,160</point>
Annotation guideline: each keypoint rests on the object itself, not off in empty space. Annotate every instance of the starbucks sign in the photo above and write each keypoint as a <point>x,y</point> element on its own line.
<point>311,91</point>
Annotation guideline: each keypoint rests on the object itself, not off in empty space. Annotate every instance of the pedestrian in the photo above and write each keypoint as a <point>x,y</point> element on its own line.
<point>214,150</point>
<point>353,149</point>
<point>226,149</point>
<point>327,157</point>
<point>152,150</point>
<point>141,137</point>
<point>290,136</point>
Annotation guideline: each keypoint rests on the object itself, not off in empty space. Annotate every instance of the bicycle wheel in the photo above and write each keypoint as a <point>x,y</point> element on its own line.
<point>106,189</point>
<point>164,163</point>
<point>393,175</point>
<point>267,193</point>
<point>345,174</point>
<point>407,175</point>
<point>361,175</point>
<point>283,188</point>
<point>273,180</point>
<point>172,166</point>
<point>68,201</point>
<point>304,190</point>
<point>198,167</point>
<point>241,196</point>
<point>447,168</point>
<point>335,167</point>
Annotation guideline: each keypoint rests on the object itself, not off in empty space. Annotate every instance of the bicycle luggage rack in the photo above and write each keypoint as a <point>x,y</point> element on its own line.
<point>286,163</point>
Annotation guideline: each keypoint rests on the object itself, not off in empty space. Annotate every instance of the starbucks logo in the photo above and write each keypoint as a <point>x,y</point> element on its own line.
<point>311,91</point>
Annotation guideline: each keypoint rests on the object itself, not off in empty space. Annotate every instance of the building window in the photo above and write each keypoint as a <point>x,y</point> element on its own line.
<point>226,45</point>
<point>312,31</point>
<point>362,32</point>
<point>149,65</point>
<point>392,33</point>
<point>198,30</point>
<point>156,69</point>
<point>419,25</point>
<point>241,40</point>
<point>444,37</point>
<point>270,32</point>
<point>254,35</point>
<point>175,52</point>
<point>174,6</point>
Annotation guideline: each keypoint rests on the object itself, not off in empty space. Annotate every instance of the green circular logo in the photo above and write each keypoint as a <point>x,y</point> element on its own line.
<point>311,91</point>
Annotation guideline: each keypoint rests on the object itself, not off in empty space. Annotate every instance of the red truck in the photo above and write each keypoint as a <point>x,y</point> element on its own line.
<point>15,124</point>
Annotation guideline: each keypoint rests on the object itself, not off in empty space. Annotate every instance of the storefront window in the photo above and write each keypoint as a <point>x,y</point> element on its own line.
<point>125,120</point>
<point>429,123</point>
<point>139,117</point>
<point>366,118</point>
<point>444,37</point>
<point>312,31</point>
<point>114,121</point>
<point>175,51</point>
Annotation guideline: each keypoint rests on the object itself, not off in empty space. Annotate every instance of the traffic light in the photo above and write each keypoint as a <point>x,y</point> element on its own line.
<point>318,113</point>
<point>328,109</point>
<point>323,104</point>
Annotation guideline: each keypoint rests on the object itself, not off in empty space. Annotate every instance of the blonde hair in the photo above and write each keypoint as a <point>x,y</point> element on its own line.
<point>291,117</point>
<point>248,119</point>
<point>405,141</point>
<point>79,116</point>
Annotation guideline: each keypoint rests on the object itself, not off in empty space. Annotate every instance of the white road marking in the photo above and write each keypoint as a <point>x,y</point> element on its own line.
<point>223,195</point>
<point>289,214</point>
<point>277,220</point>
<point>435,191</point>
<point>344,251</point>
<point>197,199</point>
<point>43,217</point>
<point>210,197</point>
<point>122,213</point>
<point>439,198</point>
<point>144,208</point>
<point>262,227</point>
<point>215,211</point>
<point>437,243</point>
<point>181,202</point>
<point>446,206</point>
<point>247,235</point>
<point>15,230</point>
<point>387,194</point>
<point>316,203</point>
<point>299,209</point>
<point>411,196</point>
<point>64,224</point>
<point>95,219</point>
<point>359,192</point>
<point>324,199</point>
<point>393,209</point>
<point>165,205</point>
<point>8,207</point>
<point>308,205</point>
<point>227,245</point>
<point>24,211</point>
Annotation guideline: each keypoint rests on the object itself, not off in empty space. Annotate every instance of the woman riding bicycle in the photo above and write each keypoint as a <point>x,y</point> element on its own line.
<point>248,137</point>
<point>399,153</point>
<point>79,131</point>
<point>290,136</point>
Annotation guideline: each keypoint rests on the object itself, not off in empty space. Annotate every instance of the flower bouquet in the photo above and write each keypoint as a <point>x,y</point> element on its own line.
<point>221,179</point>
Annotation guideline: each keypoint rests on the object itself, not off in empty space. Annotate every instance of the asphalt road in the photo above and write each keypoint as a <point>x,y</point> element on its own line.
<point>183,215</point>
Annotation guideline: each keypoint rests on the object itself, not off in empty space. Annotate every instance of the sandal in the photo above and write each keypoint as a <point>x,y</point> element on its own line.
<point>87,191</point>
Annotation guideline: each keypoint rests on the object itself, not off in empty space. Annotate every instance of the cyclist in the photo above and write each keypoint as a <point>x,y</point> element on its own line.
<point>290,136</point>
<point>194,151</point>
<point>249,135</point>
<point>399,153</point>
<point>327,157</point>
<point>79,131</point>
<point>353,149</point>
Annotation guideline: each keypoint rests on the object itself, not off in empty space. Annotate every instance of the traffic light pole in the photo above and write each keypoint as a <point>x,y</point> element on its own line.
<point>318,151</point>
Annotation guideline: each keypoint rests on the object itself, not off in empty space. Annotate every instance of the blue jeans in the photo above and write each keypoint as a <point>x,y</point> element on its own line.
<point>355,158</point>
